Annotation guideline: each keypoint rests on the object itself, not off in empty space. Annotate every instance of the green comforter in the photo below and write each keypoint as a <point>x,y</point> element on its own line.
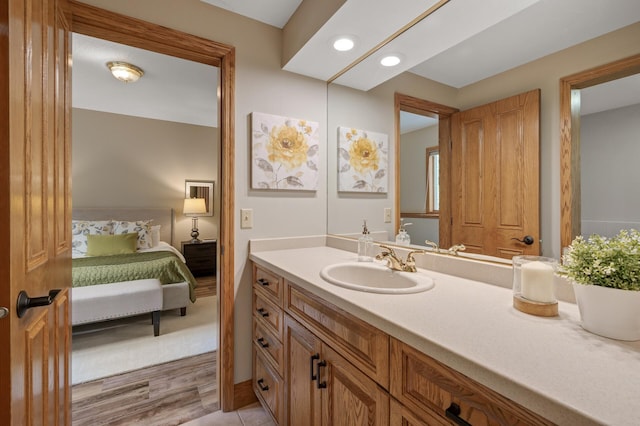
<point>163,265</point>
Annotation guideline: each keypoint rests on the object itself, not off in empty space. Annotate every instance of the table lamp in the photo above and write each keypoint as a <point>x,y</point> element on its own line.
<point>194,207</point>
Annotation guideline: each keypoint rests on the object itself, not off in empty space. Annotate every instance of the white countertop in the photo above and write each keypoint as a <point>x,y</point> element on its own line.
<point>550,365</point>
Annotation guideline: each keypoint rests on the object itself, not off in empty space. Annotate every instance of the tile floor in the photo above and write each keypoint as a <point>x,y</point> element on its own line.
<point>251,415</point>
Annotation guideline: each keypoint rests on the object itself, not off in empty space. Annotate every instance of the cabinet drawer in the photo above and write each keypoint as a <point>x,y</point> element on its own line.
<point>362,344</point>
<point>268,386</point>
<point>422,383</point>
<point>402,416</point>
<point>268,313</point>
<point>269,282</point>
<point>270,346</point>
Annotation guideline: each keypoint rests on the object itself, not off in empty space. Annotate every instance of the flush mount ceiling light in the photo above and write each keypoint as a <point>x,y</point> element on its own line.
<point>124,71</point>
<point>390,61</point>
<point>343,43</point>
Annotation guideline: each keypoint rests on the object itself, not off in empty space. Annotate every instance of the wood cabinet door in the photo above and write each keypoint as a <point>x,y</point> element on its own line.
<point>303,402</point>
<point>351,398</point>
<point>35,212</point>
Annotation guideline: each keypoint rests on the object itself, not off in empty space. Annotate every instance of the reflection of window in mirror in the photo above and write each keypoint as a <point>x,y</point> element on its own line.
<point>433,181</point>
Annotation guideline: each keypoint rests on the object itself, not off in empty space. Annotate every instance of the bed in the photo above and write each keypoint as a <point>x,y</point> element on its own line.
<point>99,261</point>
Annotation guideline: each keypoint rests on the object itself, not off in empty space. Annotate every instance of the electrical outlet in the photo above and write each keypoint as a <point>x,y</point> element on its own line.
<point>387,215</point>
<point>246,218</point>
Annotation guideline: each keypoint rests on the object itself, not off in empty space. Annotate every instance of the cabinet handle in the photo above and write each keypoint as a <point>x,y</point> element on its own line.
<point>453,413</point>
<point>321,385</point>
<point>263,282</point>
<point>262,343</point>
<point>262,312</point>
<point>262,386</point>
<point>311,359</point>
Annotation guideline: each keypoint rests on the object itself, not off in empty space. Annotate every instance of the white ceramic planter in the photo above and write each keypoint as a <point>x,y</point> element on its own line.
<point>609,312</point>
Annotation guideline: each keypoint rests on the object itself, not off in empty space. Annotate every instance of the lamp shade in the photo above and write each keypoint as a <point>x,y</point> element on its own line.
<point>194,207</point>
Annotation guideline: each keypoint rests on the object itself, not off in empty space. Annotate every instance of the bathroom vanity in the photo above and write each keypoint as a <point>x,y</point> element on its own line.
<point>458,353</point>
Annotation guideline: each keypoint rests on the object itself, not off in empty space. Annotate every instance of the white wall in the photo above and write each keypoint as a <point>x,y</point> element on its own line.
<point>610,176</point>
<point>125,161</point>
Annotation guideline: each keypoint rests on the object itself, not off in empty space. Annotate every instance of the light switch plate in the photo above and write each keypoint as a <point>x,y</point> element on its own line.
<point>387,215</point>
<point>246,218</point>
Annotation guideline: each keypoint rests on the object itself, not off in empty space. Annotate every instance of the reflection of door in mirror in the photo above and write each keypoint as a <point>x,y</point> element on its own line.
<point>625,213</point>
<point>495,177</point>
<point>407,178</point>
<point>419,175</point>
<point>609,153</point>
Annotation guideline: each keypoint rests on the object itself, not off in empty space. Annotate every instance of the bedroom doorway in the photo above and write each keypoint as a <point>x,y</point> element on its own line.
<point>91,22</point>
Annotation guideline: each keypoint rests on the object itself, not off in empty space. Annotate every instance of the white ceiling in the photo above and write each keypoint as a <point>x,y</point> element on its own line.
<point>171,89</point>
<point>462,42</point>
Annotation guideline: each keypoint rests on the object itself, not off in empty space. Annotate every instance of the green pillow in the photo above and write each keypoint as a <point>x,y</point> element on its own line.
<point>107,245</point>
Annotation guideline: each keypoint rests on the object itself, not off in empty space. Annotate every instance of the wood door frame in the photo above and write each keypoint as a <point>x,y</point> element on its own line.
<point>96,22</point>
<point>423,107</point>
<point>570,204</point>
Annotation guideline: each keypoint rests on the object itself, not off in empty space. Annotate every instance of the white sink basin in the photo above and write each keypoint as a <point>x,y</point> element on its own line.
<point>375,278</point>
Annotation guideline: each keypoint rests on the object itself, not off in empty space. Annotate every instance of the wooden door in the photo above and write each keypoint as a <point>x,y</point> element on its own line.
<point>302,400</point>
<point>351,398</point>
<point>495,177</point>
<point>35,214</point>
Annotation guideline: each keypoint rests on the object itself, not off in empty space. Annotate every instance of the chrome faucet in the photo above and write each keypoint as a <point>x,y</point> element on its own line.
<point>395,263</point>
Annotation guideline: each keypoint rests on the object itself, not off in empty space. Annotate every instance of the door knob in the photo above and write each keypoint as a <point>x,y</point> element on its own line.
<point>527,239</point>
<point>3,312</point>
<point>25,302</point>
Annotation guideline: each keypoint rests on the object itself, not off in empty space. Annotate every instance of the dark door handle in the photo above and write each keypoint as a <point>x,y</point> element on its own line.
<point>262,386</point>
<point>527,239</point>
<point>311,360</point>
<point>321,385</point>
<point>453,413</point>
<point>25,302</point>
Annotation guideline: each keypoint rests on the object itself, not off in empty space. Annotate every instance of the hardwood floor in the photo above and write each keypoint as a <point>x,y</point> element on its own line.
<point>166,394</point>
<point>206,286</point>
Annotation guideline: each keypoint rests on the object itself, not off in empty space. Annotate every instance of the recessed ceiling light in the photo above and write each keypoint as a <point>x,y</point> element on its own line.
<point>390,61</point>
<point>343,44</point>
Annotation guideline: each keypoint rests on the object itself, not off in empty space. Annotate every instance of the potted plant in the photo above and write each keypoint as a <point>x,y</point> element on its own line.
<point>605,273</point>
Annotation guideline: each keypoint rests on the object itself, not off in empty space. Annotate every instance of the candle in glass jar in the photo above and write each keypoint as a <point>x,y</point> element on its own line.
<point>536,282</point>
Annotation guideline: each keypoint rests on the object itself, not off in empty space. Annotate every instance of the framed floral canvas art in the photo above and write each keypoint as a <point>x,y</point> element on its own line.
<point>362,160</point>
<point>284,153</point>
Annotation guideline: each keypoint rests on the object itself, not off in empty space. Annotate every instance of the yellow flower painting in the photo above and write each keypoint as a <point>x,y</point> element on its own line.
<point>284,153</point>
<point>362,160</point>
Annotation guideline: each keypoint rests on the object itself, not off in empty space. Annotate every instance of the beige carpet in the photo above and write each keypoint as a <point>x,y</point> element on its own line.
<point>113,347</point>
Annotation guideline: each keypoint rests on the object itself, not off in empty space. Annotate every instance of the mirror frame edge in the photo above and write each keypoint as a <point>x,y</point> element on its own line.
<point>570,204</point>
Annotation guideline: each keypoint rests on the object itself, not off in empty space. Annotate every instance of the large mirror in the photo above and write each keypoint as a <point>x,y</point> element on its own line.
<point>374,110</point>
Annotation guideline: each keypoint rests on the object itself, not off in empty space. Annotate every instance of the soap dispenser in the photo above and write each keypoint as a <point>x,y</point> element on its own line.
<point>403,237</point>
<point>365,245</point>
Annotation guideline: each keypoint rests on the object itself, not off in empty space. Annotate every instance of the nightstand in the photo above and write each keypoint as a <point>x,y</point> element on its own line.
<point>200,257</point>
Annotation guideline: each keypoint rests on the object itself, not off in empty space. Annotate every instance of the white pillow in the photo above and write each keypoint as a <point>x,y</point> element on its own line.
<point>142,227</point>
<point>81,228</point>
<point>155,235</point>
